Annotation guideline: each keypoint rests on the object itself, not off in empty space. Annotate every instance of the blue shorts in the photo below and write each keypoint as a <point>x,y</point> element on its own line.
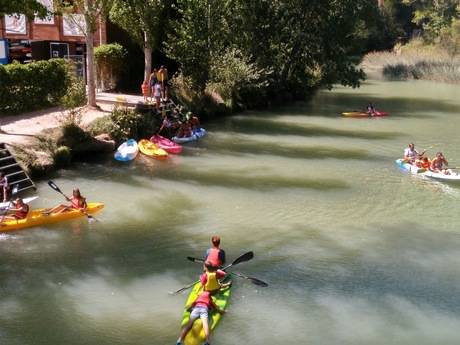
<point>199,312</point>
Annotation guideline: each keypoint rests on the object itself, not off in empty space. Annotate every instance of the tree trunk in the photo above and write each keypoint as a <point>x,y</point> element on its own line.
<point>90,71</point>
<point>147,57</point>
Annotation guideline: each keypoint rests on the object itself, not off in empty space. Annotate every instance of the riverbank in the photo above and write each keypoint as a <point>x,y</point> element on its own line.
<point>413,61</point>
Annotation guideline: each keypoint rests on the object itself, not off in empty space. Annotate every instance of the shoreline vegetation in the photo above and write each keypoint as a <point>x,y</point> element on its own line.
<point>414,61</point>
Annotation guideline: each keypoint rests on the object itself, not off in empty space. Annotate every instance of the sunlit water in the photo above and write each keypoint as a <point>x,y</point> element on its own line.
<point>355,251</point>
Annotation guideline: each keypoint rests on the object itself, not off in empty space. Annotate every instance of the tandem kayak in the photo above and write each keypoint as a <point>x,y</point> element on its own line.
<point>454,177</point>
<point>36,217</point>
<point>364,114</point>
<point>166,144</point>
<point>196,334</point>
<point>127,151</point>
<point>152,150</point>
<point>197,134</point>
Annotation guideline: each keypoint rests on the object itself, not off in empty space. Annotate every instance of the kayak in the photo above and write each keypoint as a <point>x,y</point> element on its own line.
<point>196,334</point>
<point>36,217</point>
<point>454,177</point>
<point>197,134</point>
<point>4,205</point>
<point>166,144</point>
<point>152,150</point>
<point>127,151</point>
<point>364,114</point>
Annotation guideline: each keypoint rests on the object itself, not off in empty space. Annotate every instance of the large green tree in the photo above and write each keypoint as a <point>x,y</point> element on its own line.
<point>303,43</point>
<point>93,11</point>
<point>143,20</point>
<point>28,7</point>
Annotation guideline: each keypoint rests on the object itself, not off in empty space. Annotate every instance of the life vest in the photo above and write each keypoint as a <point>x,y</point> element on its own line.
<point>213,257</point>
<point>212,283</point>
<point>203,299</point>
<point>22,213</point>
<point>77,202</point>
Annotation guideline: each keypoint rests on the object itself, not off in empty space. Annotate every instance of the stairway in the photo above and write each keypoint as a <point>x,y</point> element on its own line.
<point>13,171</point>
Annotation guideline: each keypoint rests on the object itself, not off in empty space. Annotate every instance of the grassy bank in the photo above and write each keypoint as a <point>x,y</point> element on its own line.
<point>414,61</point>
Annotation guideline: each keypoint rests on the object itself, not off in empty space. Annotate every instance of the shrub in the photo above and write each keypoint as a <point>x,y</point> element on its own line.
<point>62,157</point>
<point>32,86</point>
<point>125,123</point>
<point>109,60</point>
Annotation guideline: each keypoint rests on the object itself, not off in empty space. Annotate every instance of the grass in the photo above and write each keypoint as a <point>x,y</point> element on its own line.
<point>414,61</point>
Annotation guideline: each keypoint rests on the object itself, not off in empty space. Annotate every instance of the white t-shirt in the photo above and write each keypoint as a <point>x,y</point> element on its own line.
<point>410,153</point>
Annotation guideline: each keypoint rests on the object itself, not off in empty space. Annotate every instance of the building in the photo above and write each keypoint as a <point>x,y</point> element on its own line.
<point>41,39</point>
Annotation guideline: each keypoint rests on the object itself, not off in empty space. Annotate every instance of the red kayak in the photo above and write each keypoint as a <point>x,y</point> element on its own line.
<point>166,144</point>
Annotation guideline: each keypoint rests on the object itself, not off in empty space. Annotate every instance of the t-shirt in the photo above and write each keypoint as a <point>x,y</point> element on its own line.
<point>410,153</point>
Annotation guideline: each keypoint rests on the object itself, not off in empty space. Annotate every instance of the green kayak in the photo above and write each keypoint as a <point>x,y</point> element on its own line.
<point>196,334</point>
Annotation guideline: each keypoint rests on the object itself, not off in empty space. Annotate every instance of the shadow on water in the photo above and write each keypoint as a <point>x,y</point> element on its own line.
<point>237,179</point>
<point>264,126</point>
<point>411,262</point>
<point>238,147</point>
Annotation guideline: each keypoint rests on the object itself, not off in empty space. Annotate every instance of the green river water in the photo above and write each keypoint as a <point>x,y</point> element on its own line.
<point>355,251</point>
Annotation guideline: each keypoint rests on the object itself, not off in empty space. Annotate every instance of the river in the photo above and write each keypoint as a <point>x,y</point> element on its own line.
<point>354,250</point>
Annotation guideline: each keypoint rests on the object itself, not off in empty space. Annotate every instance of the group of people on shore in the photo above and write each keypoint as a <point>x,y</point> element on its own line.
<point>156,86</point>
<point>438,164</point>
<point>18,209</point>
<point>211,282</point>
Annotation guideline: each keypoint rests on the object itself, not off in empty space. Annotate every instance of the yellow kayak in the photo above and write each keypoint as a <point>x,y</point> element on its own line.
<point>152,150</point>
<point>36,217</point>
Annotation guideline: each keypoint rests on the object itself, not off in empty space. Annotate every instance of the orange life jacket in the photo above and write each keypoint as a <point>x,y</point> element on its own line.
<point>213,257</point>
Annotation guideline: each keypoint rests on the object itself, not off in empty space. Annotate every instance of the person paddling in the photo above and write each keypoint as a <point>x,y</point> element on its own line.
<point>21,210</point>
<point>200,308</point>
<point>210,279</point>
<point>437,164</point>
<point>77,201</point>
<point>411,154</point>
<point>215,255</point>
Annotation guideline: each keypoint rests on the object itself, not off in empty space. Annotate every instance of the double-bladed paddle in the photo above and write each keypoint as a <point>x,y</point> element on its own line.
<point>56,188</point>
<point>253,280</point>
<point>243,258</point>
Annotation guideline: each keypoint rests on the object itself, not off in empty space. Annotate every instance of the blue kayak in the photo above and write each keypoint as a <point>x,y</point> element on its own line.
<point>127,151</point>
<point>197,134</point>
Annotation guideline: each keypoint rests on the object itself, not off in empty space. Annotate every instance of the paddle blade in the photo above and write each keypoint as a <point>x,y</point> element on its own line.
<point>14,191</point>
<point>53,185</point>
<point>258,282</point>
<point>243,258</point>
<point>194,259</point>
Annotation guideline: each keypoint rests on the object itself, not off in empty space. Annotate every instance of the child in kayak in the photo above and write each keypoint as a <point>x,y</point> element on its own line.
<point>210,279</point>
<point>423,163</point>
<point>200,308</point>
<point>77,201</point>
<point>215,255</point>
<point>21,210</point>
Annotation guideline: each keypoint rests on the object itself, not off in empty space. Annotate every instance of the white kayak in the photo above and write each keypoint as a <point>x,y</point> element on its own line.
<point>454,177</point>
<point>127,151</point>
<point>4,205</point>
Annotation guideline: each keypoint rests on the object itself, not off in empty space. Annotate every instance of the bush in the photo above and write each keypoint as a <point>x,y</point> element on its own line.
<point>109,60</point>
<point>125,123</point>
<point>32,86</point>
<point>62,157</point>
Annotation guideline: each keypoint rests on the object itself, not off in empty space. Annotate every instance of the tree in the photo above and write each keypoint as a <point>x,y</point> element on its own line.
<point>93,11</point>
<point>28,7</point>
<point>142,19</point>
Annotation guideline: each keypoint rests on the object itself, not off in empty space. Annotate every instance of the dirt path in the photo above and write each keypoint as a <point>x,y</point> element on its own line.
<point>20,129</point>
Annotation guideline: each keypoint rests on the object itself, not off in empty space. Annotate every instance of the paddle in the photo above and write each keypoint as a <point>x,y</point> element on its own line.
<point>13,193</point>
<point>56,188</point>
<point>253,280</point>
<point>243,258</point>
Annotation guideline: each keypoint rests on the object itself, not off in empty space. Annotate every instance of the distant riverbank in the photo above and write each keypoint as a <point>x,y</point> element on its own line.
<point>413,61</point>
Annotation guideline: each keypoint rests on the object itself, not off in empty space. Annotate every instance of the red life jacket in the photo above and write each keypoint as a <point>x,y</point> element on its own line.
<point>77,202</point>
<point>22,213</point>
<point>204,299</point>
<point>213,257</point>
